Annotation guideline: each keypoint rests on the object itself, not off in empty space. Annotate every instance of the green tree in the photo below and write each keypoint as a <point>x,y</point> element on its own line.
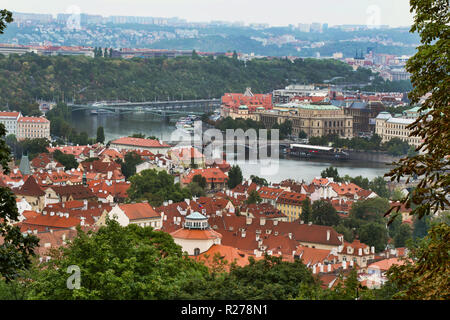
<point>370,209</point>
<point>234,176</point>
<point>129,163</point>
<point>374,234</point>
<point>117,262</point>
<point>429,70</point>
<point>323,213</point>
<point>302,134</point>
<point>5,17</point>
<point>200,180</point>
<point>253,197</point>
<point>100,135</point>
<point>156,187</point>
<point>379,186</point>
<point>138,135</point>
<point>259,181</point>
<point>67,160</point>
<point>32,147</point>
<point>16,249</point>
<point>404,234</point>
<point>307,214</point>
<point>196,190</point>
<point>331,172</point>
<point>425,275</point>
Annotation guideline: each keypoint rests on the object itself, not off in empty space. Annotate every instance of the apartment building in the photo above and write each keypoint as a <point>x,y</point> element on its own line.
<point>33,128</point>
<point>9,120</point>
<point>389,127</point>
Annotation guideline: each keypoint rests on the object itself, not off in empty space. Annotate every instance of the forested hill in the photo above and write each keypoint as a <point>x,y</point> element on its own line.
<point>23,79</point>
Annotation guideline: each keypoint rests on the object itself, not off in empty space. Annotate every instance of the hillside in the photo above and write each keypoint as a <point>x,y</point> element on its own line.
<point>23,79</point>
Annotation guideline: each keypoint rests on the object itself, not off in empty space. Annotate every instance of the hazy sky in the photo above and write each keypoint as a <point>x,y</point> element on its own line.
<point>274,12</point>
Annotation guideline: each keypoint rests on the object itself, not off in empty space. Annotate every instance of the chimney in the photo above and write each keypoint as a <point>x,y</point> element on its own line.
<point>290,235</point>
<point>309,223</point>
<point>302,222</point>
<point>262,221</point>
<point>275,222</point>
<point>372,249</point>
<point>243,234</point>
<point>328,235</point>
<point>187,201</point>
<point>248,220</point>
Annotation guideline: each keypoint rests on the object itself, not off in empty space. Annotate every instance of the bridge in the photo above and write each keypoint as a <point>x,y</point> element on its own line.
<point>159,108</point>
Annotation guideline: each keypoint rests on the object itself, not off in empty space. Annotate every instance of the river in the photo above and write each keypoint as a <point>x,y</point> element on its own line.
<point>116,126</point>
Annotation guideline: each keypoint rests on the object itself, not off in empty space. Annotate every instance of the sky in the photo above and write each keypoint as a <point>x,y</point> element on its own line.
<point>273,12</point>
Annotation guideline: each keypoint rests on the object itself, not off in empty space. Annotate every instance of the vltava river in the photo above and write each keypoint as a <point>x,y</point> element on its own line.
<point>116,126</point>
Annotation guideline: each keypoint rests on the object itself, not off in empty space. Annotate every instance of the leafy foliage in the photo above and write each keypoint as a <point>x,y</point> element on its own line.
<point>234,176</point>
<point>156,187</point>
<point>426,275</point>
<point>430,75</point>
<point>67,160</point>
<point>117,262</point>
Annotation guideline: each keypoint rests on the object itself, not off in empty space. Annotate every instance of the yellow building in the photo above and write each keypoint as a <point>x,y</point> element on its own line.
<point>315,120</point>
<point>290,204</point>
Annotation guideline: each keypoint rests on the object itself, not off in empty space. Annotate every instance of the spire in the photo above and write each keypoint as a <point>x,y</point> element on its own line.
<point>24,166</point>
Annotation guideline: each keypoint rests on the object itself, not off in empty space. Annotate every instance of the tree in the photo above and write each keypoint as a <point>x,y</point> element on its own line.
<point>128,166</point>
<point>100,135</point>
<point>331,172</point>
<point>323,213</point>
<point>306,214</point>
<point>196,190</point>
<point>67,160</point>
<point>156,187</point>
<point>424,275</point>
<point>374,234</point>
<point>268,279</point>
<point>403,234</point>
<point>420,227</point>
<point>379,186</point>
<point>32,147</point>
<point>253,197</point>
<point>234,176</point>
<point>117,262</point>
<point>429,70</point>
<point>259,181</point>
<point>302,134</point>
<point>5,17</point>
<point>138,135</point>
<point>16,249</point>
<point>235,55</point>
<point>200,180</point>
<point>370,209</point>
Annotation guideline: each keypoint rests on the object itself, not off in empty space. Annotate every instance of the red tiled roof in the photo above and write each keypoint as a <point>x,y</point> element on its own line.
<point>139,142</point>
<point>136,211</point>
<point>33,119</point>
<point>30,188</point>
<point>195,234</point>
<point>9,114</point>
<point>210,174</point>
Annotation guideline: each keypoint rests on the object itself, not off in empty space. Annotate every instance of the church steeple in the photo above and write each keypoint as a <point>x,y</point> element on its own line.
<point>24,166</point>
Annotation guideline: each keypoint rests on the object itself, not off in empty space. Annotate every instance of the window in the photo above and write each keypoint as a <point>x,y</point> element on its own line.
<point>196,251</point>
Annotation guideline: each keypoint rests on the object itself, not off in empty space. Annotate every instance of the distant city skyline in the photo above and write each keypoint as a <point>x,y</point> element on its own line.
<point>279,13</point>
